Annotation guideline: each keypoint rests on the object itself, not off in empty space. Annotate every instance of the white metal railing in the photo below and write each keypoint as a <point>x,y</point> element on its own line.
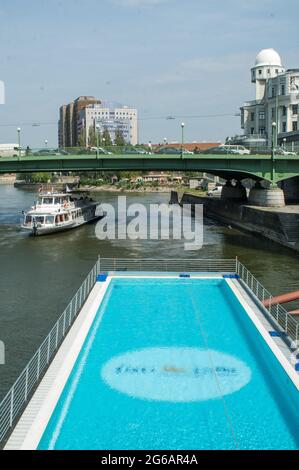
<point>17,396</point>
<point>167,265</point>
<point>278,313</point>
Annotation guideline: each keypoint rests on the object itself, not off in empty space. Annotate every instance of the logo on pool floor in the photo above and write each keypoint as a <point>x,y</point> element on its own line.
<point>176,374</point>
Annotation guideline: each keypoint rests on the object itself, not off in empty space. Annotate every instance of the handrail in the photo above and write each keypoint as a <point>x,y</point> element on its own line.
<point>167,265</point>
<point>282,318</point>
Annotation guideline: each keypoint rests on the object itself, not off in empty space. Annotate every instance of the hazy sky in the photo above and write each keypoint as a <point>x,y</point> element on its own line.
<point>164,57</point>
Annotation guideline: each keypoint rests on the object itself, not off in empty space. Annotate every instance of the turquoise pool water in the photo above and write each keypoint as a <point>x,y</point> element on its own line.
<point>174,364</point>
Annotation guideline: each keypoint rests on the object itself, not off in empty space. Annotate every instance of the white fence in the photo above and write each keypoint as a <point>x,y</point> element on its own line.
<point>283,319</point>
<point>167,265</point>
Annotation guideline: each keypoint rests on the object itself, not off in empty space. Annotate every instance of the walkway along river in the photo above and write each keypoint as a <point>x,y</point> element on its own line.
<point>38,276</point>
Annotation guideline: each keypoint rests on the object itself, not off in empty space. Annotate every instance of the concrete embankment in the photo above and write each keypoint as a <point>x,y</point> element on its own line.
<point>278,224</point>
<point>44,186</point>
<point>7,179</point>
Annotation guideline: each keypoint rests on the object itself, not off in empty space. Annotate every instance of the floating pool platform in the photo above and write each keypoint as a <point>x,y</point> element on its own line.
<point>161,354</point>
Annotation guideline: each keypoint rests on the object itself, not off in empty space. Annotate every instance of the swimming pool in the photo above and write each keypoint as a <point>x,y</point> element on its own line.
<point>174,363</point>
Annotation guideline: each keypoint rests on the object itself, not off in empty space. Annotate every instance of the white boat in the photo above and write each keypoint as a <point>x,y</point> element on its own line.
<point>59,211</point>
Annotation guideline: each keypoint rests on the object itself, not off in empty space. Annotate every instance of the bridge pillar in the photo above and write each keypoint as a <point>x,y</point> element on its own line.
<point>272,197</point>
<point>236,192</point>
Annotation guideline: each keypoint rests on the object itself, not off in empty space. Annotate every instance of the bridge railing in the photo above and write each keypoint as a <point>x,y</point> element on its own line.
<point>277,312</point>
<point>16,398</point>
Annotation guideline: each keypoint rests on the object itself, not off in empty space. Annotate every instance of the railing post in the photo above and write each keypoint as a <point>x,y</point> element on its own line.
<point>26,384</point>
<point>48,349</point>
<point>38,364</point>
<point>11,407</point>
<point>56,339</point>
<point>63,329</point>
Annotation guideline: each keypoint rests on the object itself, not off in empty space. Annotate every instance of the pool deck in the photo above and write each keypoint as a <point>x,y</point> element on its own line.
<point>30,427</point>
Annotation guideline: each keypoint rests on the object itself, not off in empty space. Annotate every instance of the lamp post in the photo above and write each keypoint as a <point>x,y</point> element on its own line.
<point>182,127</point>
<point>274,125</point>
<point>165,140</point>
<point>19,140</point>
<point>97,136</point>
<point>46,144</point>
<point>104,140</point>
<point>284,143</point>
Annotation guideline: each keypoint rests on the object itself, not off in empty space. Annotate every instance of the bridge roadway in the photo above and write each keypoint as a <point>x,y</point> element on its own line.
<point>257,167</point>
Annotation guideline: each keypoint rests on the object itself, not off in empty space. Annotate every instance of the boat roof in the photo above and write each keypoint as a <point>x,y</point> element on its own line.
<point>49,194</point>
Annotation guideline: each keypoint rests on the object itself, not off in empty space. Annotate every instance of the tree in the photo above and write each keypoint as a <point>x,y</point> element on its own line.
<point>92,139</point>
<point>82,137</point>
<point>107,137</point>
<point>119,138</point>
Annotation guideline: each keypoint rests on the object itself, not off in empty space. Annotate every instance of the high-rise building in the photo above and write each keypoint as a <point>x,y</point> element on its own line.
<point>276,101</point>
<point>112,117</point>
<point>68,120</point>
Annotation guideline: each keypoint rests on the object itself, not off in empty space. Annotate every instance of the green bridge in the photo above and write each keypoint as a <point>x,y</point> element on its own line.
<point>257,167</point>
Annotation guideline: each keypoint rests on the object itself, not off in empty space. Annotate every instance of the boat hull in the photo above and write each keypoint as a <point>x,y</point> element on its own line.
<point>39,231</point>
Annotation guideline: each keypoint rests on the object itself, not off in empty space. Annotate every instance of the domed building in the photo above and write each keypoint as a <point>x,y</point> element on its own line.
<point>276,101</point>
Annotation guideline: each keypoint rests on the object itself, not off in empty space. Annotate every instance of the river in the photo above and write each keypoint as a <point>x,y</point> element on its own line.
<point>38,276</point>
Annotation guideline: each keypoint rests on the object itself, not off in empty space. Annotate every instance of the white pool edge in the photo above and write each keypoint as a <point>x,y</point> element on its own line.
<point>34,420</point>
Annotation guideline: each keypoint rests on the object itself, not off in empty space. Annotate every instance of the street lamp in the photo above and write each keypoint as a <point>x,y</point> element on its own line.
<point>97,136</point>
<point>274,126</point>
<point>284,143</point>
<point>104,140</point>
<point>46,144</point>
<point>182,127</point>
<point>165,140</point>
<point>19,140</point>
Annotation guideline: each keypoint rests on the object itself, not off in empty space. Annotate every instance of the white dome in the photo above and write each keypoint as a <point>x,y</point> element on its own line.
<point>268,57</point>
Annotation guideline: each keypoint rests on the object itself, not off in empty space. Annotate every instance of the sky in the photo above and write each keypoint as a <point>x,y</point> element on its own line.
<point>186,58</point>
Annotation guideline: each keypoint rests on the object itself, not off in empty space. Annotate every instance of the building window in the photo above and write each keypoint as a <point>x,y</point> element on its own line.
<point>276,71</point>
<point>252,117</point>
<point>282,89</point>
<point>273,113</point>
<point>295,109</point>
<point>262,131</point>
<point>273,92</point>
<point>260,72</point>
<point>252,130</point>
<point>262,115</point>
<point>284,110</point>
<point>295,126</point>
<point>284,127</point>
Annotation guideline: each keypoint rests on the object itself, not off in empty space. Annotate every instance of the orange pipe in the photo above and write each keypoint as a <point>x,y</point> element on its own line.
<point>294,312</point>
<point>282,299</point>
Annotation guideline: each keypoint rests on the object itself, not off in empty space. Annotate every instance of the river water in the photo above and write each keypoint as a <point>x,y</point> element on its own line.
<point>38,276</point>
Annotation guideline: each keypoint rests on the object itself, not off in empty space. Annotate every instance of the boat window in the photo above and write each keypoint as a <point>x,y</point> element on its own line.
<point>49,219</point>
<point>56,200</point>
<point>39,219</point>
<point>28,219</point>
<point>47,200</point>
